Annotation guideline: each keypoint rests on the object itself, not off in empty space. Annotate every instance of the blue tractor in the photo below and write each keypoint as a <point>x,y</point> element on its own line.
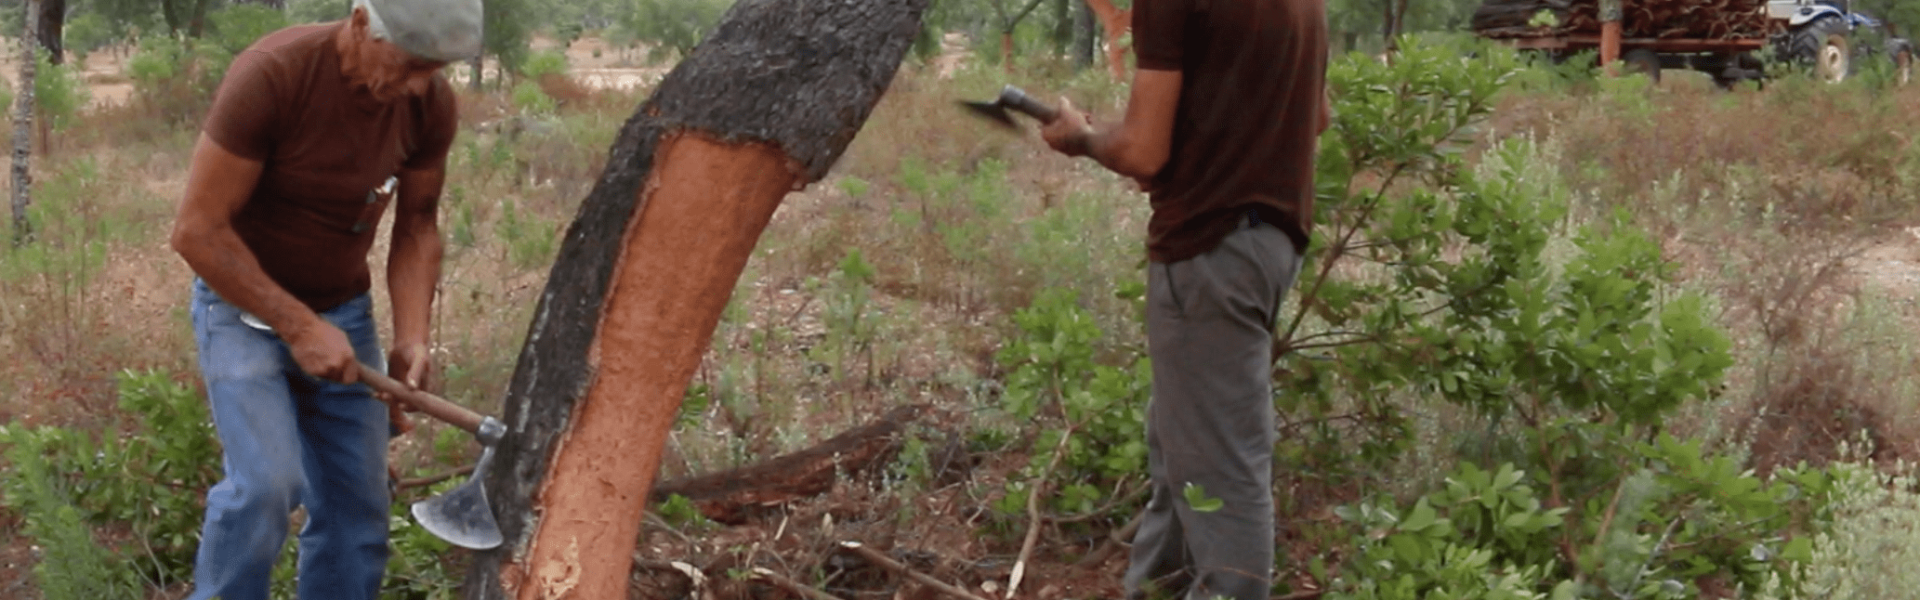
<point>1834,41</point>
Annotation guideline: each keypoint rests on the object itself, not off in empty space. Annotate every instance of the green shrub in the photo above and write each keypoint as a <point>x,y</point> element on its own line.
<point>542,63</point>
<point>147,473</point>
<point>58,92</point>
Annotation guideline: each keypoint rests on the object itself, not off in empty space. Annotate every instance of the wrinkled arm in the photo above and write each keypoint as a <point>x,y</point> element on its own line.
<point>413,265</point>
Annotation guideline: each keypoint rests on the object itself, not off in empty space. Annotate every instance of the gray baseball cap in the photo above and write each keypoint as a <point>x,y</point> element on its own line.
<point>442,30</point>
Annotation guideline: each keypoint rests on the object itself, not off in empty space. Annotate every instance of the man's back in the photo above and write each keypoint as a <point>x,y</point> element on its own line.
<point>1253,75</point>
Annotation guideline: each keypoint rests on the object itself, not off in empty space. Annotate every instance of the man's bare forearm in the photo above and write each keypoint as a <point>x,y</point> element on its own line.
<point>413,273</point>
<point>223,261</point>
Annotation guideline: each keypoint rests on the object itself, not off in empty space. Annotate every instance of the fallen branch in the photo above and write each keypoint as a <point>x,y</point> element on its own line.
<point>419,482</point>
<point>790,585</point>
<point>730,496</point>
<point>1033,513</point>
<point>888,563</point>
<point>1116,540</point>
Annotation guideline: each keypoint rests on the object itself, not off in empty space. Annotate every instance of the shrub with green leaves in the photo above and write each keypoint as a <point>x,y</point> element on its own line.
<point>1091,414</point>
<point>146,473</point>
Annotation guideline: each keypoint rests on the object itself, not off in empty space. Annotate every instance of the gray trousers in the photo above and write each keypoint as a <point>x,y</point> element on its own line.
<point>1211,421</point>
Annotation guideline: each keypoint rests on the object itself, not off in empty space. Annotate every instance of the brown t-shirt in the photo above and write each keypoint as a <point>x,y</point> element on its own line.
<point>326,146</point>
<point>1253,75</point>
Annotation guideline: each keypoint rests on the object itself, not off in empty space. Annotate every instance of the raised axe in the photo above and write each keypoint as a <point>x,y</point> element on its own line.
<point>460,516</point>
<point>1011,99</point>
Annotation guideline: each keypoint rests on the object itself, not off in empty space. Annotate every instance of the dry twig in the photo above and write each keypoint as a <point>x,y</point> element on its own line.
<point>782,582</point>
<point>888,563</point>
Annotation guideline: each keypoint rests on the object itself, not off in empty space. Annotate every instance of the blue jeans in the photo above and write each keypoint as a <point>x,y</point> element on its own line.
<point>289,440</point>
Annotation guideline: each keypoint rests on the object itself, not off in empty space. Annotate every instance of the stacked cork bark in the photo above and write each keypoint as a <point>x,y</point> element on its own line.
<point>1697,19</point>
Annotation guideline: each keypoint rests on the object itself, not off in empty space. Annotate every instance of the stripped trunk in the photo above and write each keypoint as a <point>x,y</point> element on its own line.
<point>1114,24</point>
<point>764,106</point>
<point>23,132</point>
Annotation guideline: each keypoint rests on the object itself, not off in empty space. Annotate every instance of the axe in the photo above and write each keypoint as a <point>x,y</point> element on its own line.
<point>1014,99</point>
<point>461,516</point>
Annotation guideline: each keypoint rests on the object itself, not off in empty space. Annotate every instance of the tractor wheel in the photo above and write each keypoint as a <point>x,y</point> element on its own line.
<point>1643,61</point>
<point>1823,43</point>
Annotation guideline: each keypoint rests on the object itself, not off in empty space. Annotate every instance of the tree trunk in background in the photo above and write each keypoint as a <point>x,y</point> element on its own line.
<point>764,106</point>
<point>1062,34</point>
<point>473,83</point>
<point>52,16</point>
<point>23,132</point>
<point>1084,36</point>
<point>279,4</point>
<point>1115,23</point>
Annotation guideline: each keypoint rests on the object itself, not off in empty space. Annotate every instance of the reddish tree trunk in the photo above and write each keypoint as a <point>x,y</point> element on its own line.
<point>1114,23</point>
<point>764,106</point>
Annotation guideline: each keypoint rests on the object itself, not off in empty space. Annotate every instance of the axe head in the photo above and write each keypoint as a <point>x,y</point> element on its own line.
<point>991,111</point>
<point>462,516</point>
<point>1012,99</point>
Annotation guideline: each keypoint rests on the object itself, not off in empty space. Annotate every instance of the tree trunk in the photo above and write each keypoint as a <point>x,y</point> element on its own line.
<point>278,4</point>
<point>1084,36</point>
<point>1114,23</point>
<point>52,16</point>
<point>763,107</point>
<point>473,83</point>
<point>23,132</point>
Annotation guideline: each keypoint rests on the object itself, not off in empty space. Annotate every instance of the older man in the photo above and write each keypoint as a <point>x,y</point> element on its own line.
<point>1222,125</point>
<point>313,131</point>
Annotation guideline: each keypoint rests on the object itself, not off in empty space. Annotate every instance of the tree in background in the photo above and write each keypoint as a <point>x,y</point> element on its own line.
<point>23,137</point>
<point>51,18</point>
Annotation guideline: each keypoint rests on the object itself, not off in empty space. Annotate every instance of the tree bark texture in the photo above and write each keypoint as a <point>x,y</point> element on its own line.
<point>52,17</point>
<point>23,132</point>
<point>764,106</point>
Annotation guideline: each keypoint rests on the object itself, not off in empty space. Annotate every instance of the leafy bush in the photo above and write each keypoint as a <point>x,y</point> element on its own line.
<point>542,63</point>
<point>238,26</point>
<point>673,26</point>
<point>58,92</point>
<point>88,32</point>
<point>1091,415</point>
<point>150,479</point>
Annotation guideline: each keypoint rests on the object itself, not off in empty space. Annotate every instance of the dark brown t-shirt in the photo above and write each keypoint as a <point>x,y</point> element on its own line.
<point>1253,75</point>
<point>326,146</point>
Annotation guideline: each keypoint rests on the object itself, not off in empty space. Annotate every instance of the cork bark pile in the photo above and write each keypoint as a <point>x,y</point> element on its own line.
<point>1693,19</point>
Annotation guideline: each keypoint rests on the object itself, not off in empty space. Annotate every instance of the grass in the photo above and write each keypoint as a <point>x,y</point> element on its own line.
<point>893,281</point>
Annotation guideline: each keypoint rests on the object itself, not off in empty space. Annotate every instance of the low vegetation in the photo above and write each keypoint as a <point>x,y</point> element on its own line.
<point>1560,335</point>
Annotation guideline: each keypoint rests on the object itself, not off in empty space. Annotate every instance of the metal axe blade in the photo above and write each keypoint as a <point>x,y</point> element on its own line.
<point>462,516</point>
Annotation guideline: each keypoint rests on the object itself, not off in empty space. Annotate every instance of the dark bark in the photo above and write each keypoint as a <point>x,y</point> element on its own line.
<point>796,75</point>
<point>52,18</point>
<point>23,136</point>
<point>733,496</point>
<point>279,4</point>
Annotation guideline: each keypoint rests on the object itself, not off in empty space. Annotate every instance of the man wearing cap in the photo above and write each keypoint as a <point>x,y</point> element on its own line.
<point>1222,124</point>
<point>314,130</point>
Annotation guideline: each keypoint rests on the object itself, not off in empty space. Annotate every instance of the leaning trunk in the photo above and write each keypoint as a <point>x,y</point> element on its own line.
<point>23,134</point>
<point>763,107</point>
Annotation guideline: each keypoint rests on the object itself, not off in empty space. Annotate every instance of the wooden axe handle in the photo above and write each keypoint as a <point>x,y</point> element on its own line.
<point>434,406</point>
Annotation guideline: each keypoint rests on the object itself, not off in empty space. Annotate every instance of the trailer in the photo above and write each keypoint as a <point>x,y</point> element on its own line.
<point>1728,40</point>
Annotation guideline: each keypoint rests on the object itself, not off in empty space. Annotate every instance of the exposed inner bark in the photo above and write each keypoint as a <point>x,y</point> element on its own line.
<point>770,100</point>
<point>705,208</point>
